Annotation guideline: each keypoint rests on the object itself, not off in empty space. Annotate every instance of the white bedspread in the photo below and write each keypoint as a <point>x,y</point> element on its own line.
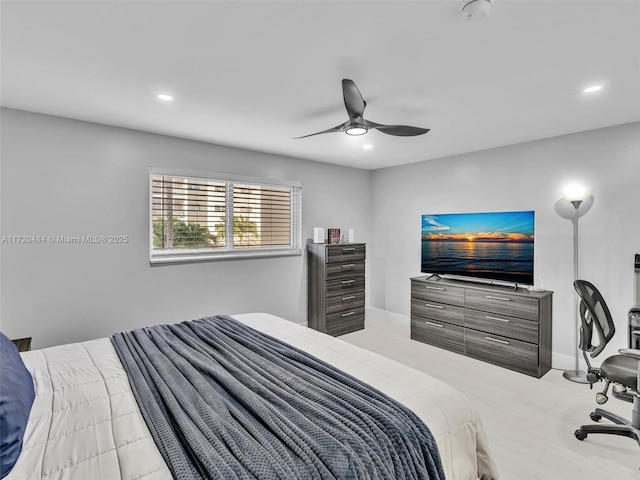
<point>85,423</point>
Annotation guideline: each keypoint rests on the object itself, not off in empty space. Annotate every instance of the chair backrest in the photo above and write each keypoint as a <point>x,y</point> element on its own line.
<point>594,314</point>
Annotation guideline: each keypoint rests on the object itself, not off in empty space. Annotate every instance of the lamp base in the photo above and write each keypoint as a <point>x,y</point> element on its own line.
<point>577,376</point>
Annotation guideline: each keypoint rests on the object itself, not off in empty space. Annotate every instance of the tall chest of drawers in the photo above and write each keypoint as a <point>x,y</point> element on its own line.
<point>336,287</point>
<point>500,325</point>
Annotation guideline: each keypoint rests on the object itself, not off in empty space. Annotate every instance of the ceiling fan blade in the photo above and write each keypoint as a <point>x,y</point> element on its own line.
<point>399,130</point>
<point>339,128</point>
<point>353,100</point>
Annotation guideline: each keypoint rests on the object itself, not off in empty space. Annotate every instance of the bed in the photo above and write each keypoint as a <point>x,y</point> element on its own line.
<point>86,423</point>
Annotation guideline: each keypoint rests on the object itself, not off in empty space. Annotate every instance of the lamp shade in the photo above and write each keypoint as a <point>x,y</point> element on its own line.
<point>576,192</point>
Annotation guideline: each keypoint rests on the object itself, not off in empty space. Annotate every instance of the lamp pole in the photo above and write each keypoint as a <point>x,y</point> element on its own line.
<point>576,375</point>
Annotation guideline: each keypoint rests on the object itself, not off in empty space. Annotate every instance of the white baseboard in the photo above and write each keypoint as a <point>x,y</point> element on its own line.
<point>567,362</point>
<point>560,361</point>
<point>404,320</point>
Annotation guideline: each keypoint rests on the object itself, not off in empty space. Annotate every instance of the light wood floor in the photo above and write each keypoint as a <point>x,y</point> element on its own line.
<point>530,422</point>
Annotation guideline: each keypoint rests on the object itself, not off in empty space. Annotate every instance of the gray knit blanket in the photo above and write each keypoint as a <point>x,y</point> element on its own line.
<point>223,400</point>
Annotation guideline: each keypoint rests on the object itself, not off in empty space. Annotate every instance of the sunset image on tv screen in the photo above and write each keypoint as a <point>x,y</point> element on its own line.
<point>492,245</point>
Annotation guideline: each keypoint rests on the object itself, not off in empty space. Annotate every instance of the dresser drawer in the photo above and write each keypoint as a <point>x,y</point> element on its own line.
<point>438,292</point>
<point>502,303</point>
<point>339,303</point>
<point>437,311</point>
<point>439,334</point>
<point>344,286</point>
<point>345,322</point>
<point>506,352</point>
<point>511,327</point>
<point>345,253</point>
<point>345,269</point>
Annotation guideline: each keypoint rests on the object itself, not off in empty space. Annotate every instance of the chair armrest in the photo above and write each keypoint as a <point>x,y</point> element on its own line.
<point>630,352</point>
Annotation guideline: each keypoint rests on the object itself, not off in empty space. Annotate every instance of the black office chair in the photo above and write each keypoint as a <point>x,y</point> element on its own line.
<point>623,370</point>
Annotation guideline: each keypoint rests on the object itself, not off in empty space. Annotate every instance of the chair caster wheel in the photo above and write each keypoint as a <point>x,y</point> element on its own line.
<point>595,417</point>
<point>580,435</point>
<point>601,398</point>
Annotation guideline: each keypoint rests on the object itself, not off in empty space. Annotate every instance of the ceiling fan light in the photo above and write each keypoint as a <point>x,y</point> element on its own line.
<point>356,130</point>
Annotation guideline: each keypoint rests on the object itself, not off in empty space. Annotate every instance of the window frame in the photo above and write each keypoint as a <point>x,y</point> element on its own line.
<point>228,252</point>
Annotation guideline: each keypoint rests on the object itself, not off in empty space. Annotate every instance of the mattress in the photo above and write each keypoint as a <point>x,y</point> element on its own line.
<point>85,422</point>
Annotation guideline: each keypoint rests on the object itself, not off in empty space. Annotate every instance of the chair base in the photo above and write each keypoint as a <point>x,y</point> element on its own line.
<point>621,426</point>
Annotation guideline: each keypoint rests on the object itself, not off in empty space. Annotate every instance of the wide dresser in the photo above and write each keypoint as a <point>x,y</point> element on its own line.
<point>506,326</point>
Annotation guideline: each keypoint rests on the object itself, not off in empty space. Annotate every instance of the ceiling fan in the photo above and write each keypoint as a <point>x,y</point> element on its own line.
<point>357,124</point>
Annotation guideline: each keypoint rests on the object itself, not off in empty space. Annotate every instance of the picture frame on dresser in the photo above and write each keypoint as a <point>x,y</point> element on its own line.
<point>506,326</point>
<point>336,287</point>
<point>333,236</point>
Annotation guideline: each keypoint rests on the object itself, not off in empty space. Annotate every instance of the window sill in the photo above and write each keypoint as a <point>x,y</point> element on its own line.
<point>173,259</point>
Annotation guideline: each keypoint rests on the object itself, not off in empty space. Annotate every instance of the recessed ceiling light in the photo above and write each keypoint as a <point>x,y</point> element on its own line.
<point>593,88</point>
<point>367,147</point>
<point>164,97</point>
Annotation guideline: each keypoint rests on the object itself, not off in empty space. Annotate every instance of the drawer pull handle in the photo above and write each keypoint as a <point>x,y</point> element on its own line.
<point>348,314</point>
<point>497,319</point>
<point>434,288</point>
<point>434,324</point>
<point>348,281</point>
<point>349,265</point>
<point>439,307</point>
<point>352,249</point>
<point>504,299</point>
<point>497,340</point>
<point>351,297</point>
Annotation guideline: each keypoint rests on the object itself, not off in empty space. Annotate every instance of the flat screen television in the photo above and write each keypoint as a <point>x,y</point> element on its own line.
<point>489,245</point>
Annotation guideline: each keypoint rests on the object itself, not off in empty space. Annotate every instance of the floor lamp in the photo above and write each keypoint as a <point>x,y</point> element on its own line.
<point>576,194</point>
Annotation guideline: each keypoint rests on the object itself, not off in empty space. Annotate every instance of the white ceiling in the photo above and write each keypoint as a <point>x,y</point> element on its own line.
<point>256,74</point>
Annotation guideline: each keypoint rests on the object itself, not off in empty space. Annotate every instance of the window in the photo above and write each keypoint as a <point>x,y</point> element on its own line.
<point>198,217</point>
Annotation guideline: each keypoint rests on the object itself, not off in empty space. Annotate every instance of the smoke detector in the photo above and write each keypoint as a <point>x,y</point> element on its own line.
<point>475,10</point>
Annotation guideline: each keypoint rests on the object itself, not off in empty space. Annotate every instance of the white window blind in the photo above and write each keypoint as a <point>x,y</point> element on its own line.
<point>199,217</point>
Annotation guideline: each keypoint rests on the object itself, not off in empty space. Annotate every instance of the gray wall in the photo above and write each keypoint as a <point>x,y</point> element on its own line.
<point>528,176</point>
<point>64,177</point>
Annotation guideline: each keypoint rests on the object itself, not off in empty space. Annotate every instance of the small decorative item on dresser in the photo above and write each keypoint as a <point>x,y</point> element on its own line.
<point>23,344</point>
<point>334,235</point>
<point>318,235</point>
